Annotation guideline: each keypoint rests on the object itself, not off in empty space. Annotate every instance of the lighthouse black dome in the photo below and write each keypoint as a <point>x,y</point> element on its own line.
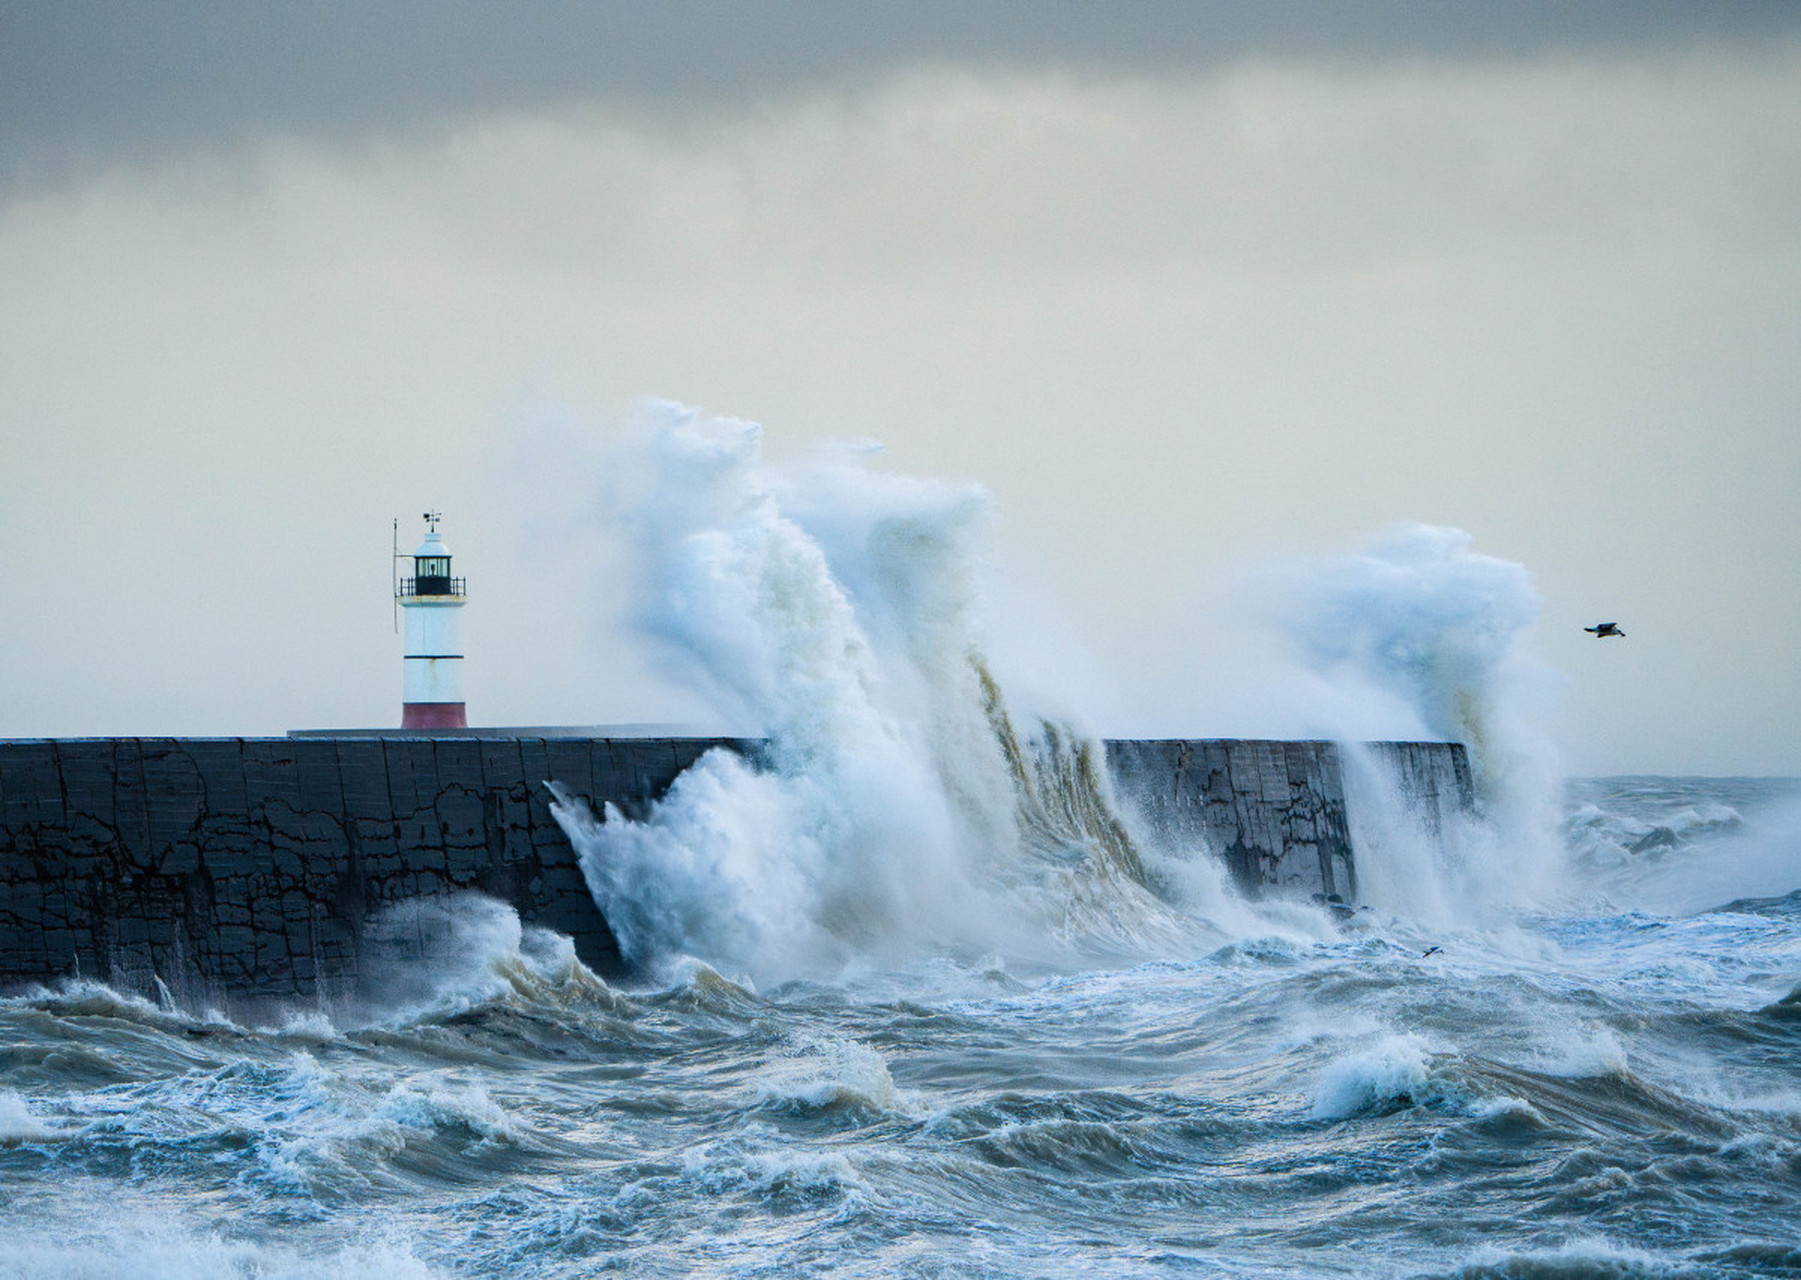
<point>431,570</point>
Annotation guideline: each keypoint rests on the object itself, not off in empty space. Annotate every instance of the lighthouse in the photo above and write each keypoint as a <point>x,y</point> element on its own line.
<point>432,598</point>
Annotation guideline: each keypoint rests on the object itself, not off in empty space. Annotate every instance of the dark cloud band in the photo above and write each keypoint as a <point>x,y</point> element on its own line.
<point>87,82</point>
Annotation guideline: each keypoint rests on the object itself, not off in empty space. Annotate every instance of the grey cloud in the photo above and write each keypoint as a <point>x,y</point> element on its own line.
<point>88,83</point>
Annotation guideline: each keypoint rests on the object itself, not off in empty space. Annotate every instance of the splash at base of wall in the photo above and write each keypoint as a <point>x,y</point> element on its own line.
<point>248,867</point>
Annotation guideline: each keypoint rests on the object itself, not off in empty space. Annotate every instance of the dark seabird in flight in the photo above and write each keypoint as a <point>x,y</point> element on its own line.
<point>1607,629</point>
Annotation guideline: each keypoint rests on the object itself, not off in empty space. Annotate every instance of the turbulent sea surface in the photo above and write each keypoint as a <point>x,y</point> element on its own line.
<point>1611,1087</point>
<point>920,996</point>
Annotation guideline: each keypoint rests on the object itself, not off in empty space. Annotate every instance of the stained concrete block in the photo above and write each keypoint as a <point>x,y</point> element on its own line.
<point>31,791</point>
<point>462,820</point>
<point>131,816</point>
<point>220,764</point>
<point>402,761</point>
<point>271,785</point>
<point>363,778</point>
<point>571,762</point>
<point>87,784</point>
<point>422,762</point>
<point>502,765</point>
<point>319,777</point>
<point>534,760</point>
<point>459,764</point>
<point>250,866</point>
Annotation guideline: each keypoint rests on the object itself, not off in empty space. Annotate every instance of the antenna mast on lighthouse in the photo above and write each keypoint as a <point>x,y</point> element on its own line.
<point>433,690</point>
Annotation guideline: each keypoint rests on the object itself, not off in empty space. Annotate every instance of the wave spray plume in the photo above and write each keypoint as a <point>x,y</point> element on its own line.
<point>834,609</point>
<point>1423,618</point>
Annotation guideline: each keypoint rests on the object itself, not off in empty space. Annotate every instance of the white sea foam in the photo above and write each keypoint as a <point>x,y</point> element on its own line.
<point>765,1170</point>
<point>437,956</point>
<point>17,1122</point>
<point>88,997</point>
<point>305,1025</point>
<point>150,1250</point>
<point>329,1125</point>
<point>1694,859</point>
<point>1423,616</point>
<point>1395,1069</point>
<point>827,1073</point>
<point>1581,1052</point>
<point>1588,1259</point>
<point>435,1104</point>
<point>835,610</point>
<point>1425,619</point>
<point>109,1229</point>
<point>848,836</point>
<point>899,809</point>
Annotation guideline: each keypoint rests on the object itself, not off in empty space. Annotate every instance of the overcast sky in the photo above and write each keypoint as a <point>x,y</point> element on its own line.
<point>1196,290</point>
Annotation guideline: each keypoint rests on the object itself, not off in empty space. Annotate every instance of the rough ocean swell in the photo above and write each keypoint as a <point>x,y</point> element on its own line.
<point>919,995</point>
<point>1602,1090</point>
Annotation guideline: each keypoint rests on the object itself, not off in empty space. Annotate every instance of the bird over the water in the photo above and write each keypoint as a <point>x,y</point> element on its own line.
<point>1606,629</point>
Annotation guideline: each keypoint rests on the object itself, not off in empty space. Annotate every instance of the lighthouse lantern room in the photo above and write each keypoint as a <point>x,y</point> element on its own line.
<point>431,598</point>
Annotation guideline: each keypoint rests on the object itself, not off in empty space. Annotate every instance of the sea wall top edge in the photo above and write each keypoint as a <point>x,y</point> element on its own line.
<point>604,733</point>
<point>351,735</point>
<point>595,732</point>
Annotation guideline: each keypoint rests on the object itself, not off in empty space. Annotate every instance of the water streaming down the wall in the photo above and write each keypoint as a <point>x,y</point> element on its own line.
<point>898,805</point>
<point>1580,1094</point>
<point>1423,619</point>
<point>271,867</point>
<point>1274,812</point>
<point>1272,1092</point>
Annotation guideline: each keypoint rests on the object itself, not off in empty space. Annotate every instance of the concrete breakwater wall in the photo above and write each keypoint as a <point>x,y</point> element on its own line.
<point>1276,812</point>
<point>253,867</point>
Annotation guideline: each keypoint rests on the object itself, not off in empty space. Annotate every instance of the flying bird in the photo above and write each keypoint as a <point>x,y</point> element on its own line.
<point>1606,629</point>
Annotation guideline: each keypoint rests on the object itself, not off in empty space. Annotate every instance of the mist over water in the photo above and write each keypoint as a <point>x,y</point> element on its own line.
<point>1423,615</point>
<point>1425,619</point>
<point>850,834</point>
<point>899,808</point>
<point>920,996</point>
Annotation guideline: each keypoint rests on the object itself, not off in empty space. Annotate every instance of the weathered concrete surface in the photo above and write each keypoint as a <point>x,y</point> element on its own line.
<point>234,866</point>
<point>1274,811</point>
<point>1433,778</point>
<point>254,865</point>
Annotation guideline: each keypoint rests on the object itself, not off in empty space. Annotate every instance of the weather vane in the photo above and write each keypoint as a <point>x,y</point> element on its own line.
<point>432,518</point>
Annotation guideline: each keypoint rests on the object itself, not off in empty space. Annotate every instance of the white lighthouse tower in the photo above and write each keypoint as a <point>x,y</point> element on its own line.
<point>434,659</point>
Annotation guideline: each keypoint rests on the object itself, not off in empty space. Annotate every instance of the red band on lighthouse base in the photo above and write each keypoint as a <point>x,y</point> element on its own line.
<point>433,715</point>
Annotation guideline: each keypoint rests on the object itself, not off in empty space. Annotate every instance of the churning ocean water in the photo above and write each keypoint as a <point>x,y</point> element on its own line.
<point>918,995</point>
<point>1611,1088</point>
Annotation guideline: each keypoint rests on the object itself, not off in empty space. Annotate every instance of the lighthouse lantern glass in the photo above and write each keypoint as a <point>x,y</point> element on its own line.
<point>431,575</point>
